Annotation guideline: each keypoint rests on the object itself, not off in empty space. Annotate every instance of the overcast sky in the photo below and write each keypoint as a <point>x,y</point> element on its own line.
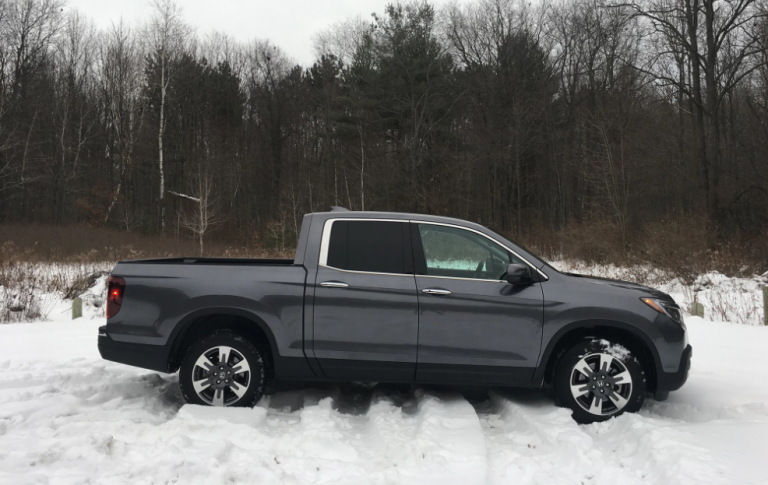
<point>290,24</point>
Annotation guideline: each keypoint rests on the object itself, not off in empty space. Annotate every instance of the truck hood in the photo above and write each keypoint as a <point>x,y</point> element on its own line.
<point>618,286</point>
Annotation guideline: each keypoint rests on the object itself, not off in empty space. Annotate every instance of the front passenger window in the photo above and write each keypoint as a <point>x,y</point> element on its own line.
<point>453,252</point>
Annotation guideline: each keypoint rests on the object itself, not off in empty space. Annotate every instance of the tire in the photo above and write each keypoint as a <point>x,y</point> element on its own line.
<point>238,382</point>
<point>582,384</point>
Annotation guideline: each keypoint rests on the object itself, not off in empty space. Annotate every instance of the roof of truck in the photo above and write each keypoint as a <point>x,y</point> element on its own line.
<point>341,212</point>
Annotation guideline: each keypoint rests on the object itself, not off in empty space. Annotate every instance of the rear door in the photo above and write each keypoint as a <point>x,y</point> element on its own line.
<point>474,327</point>
<point>365,305</point>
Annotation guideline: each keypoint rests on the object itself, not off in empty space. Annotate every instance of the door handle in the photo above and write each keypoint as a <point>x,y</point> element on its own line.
<point>435,291</point>
<point>334,284</point>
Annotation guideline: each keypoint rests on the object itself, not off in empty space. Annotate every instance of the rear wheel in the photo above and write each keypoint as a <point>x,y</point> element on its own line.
<point>598,379</point>
<point>222,369</point>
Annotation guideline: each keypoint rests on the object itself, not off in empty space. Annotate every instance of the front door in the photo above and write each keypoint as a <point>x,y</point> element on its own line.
<point>474,327</point>
<point>365,311</point>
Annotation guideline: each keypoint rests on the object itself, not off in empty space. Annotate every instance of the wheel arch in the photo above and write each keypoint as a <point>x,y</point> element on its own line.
<point>627,335</point>
<point>208,321</point>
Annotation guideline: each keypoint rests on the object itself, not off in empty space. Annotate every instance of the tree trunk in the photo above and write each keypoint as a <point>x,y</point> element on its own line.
<point>362,169</point>
<point>160,143</point>
<point>697,105</point>
<point>713,132</point>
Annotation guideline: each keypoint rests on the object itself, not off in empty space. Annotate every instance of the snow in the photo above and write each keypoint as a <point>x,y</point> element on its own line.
<point>616,350</point>
<point>68,417</point>
<point>39,288</point>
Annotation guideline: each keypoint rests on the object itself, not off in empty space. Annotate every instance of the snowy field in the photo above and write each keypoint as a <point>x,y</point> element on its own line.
<point>68,417</point>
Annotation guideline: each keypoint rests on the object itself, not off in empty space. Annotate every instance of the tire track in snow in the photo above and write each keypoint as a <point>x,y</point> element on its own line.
<point>108,423</point>
<point>84,419</point>
<point>532,441</point>
<point>427,437</point>
<point>420,437</point>
<point>656,450</point>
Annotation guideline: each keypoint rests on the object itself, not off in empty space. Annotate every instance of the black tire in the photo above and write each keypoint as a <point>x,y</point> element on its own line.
<point>239,387</point>
<point>602,390</point>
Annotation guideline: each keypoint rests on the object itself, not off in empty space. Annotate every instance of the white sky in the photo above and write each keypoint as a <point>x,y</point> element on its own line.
<point>289,24</point>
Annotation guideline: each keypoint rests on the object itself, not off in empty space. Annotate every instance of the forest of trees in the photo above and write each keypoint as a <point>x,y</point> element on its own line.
<point>522,117</point>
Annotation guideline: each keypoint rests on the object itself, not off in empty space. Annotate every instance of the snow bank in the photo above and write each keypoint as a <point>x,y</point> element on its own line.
<point>68,417</point>
<point>44,291</point>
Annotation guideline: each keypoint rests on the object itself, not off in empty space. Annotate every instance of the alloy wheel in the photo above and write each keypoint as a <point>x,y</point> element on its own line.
<point>601,384</point>
<point>221,376</point>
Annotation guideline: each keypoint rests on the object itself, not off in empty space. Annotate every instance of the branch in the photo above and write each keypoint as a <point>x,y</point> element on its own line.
<point>184,196</point>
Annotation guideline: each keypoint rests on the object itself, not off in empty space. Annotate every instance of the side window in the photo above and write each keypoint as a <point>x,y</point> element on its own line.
<point>372,246</point>
<point>454,252</point>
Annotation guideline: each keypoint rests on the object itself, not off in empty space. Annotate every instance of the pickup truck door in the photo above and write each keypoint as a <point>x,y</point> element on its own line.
<point>474,327</point>
<point>365,304</point>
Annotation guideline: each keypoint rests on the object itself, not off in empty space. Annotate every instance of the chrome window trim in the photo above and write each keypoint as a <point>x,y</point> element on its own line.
<point>459,278</point>
<point>326,237</point>
<point>366,272</point>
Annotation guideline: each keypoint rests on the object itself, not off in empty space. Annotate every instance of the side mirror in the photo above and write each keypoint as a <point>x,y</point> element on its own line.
<point>517,274</point>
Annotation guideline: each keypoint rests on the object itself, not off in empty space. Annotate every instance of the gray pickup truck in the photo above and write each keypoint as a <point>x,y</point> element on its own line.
<point>396,298</point>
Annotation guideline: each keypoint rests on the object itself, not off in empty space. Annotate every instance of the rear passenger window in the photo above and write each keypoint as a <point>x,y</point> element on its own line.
<point>372,246</point>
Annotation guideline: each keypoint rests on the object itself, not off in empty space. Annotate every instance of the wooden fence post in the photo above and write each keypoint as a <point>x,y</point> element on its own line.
<point>765,305</point>
<point>77,308</point>
<point>697,309</point>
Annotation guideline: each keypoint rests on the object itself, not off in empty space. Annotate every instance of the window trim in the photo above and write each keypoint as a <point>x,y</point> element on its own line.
<point>326,237</point>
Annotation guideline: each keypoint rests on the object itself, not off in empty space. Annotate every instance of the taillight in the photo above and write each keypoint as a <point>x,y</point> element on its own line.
<point>115,292</point>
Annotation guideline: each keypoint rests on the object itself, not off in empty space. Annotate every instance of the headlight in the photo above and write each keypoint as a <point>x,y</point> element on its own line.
<point>670,310</point>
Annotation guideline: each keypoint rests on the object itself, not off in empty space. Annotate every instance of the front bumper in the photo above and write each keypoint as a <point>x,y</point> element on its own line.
<point>153,357</point>
<point>672,381</point>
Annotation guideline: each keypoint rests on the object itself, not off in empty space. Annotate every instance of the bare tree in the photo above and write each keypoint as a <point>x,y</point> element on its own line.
<point>720,49</point>
<point>167,35</point>
<point>205,214</point>
<point>74,84</point>
<point>342,39</point>
<point>122,82</point>
<point>32,25</point>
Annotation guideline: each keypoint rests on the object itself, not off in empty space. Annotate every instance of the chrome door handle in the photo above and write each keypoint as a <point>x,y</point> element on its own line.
<point>334,284</point>
<point>435,291</point>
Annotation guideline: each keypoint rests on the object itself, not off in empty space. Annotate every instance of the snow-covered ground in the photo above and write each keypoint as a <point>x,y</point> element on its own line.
<point>68,417</point>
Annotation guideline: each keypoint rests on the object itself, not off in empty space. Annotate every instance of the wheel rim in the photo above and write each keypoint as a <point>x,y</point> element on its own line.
<point>601,384</point>
<point>221,376</point>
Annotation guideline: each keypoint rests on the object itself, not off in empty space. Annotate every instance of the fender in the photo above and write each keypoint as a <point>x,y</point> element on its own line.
<point>541,368</point>
<point>185,324</point>
<point>285,367</point>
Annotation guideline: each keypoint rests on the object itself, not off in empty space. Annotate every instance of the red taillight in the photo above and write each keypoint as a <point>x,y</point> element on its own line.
<point>115,291</point>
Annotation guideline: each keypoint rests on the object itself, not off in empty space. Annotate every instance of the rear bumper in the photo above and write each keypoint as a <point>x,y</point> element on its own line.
<point>153,357</point>
<point>666,381</point>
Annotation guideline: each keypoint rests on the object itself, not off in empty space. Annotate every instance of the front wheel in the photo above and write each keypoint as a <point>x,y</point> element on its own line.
<point>598,379</point>
<point>222,369</point>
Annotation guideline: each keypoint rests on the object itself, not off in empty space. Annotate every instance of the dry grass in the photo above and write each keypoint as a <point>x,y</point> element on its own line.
<point>83,244</point>
<point>30,286</point>
<point>684,247</point>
